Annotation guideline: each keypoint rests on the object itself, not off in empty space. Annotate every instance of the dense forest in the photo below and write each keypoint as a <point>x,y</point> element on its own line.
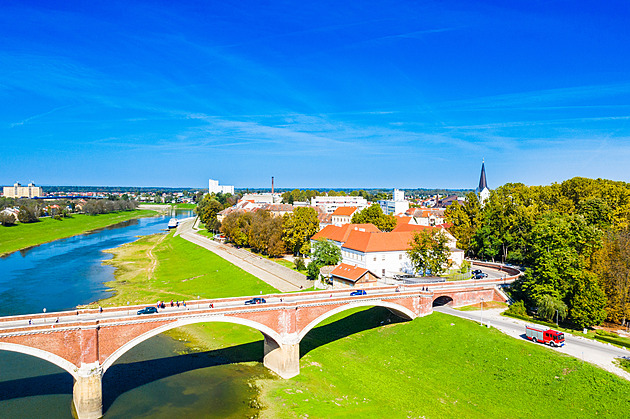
<point>573,238</point>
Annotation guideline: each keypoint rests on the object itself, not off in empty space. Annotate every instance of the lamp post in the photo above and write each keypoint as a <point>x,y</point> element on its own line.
<point>482,311</point>
<point>556,318</point>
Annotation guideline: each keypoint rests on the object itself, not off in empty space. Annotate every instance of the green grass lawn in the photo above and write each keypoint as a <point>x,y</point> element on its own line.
<point>435,367</point>
<point>183,271</point>
<point>26,235</point>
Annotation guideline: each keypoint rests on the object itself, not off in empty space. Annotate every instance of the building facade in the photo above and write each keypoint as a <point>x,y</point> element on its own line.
<point>330,203</point>
<point>214,187</point>
<point>398,205</point>
<point>19,191</point>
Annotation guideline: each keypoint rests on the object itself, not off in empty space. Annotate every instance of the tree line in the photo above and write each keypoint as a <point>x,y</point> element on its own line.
<point>573,237</point>
<point>30,210</point>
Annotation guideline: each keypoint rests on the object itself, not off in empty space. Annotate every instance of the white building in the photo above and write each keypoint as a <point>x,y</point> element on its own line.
<point>214,187</point>
<point>262,198</point>
<point>398,205</point>
<point>19,191</point>
<point>385,254</point>
<point>330,203</point>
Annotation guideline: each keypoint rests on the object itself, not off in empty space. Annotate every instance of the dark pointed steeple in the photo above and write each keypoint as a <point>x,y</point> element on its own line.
<point>482,180</point>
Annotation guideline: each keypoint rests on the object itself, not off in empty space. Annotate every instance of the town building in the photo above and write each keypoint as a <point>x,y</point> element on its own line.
<point>425,216</point>
<point>19,191</point>
<point>350,276</point>
<point>343,215</point>
<point>397,205</point>
<point>384,254</point>
<point>214,187</point>
<point>330,203</point>
<point>262,198</point>
<point>339,235</point>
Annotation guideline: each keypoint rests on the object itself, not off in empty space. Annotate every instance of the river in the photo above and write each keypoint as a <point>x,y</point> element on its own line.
<point>160,378</point>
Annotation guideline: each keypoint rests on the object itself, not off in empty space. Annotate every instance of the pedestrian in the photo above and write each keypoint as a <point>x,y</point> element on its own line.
<point>211,305</point>
<point>100,309</point>
<point>30,321</point>
<point>184,303</point>
<point>171,303</point>
<point>57,321</point>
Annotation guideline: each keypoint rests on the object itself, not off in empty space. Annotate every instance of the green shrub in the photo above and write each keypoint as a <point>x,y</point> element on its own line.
<point>465,267</point>
<point>299,264</point>
<point>517,309</point>
<point>606,333</point>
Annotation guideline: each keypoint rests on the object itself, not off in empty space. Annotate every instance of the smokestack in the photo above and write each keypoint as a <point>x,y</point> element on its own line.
<point>272,184</point>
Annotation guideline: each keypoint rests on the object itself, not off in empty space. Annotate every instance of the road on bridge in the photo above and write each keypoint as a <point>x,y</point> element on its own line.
<point>598,353</point>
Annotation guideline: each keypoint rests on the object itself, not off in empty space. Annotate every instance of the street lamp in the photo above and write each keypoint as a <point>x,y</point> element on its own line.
<point>556,318</point>
<point>482,311</point>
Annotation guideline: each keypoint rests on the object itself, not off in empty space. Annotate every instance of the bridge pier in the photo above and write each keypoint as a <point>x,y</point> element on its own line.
<point>88,391</point>
<point>283,359</point>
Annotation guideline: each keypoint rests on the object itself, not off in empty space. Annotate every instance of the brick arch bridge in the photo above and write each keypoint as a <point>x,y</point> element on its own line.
<point>87,342</point>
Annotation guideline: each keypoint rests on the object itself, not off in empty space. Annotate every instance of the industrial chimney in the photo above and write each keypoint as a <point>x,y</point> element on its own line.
<point>272,185</point>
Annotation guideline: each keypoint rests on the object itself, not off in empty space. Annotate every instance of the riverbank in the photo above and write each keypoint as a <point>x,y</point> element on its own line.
<point>165,267</point>
<point>24,235</point>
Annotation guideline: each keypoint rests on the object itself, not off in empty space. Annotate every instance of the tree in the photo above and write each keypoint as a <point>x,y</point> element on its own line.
<point>236,226</point>
<point>374,215</point>
<point>298,228</point>
<point>28,214</point>
<point>549,306</point>
<point>325,253</point>
<point>587,302</point>
<point>613,269</point>
<point>429,252</point>
<point>207,210</point>
<point>466,219</point>
<point>7,219</point>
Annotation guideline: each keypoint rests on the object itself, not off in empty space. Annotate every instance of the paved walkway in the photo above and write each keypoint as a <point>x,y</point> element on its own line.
<point>278,276</point>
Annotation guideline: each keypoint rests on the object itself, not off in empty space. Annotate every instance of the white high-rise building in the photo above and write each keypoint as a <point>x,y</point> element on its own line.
<point>19,191</point>
<point>397,205</point>
<point>214,187</point>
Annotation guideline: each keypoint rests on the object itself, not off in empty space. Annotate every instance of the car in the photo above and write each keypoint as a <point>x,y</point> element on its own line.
<point>255,300</point>
<point>481,275</point>
<point>476,271</point>
<point>147,310</point>
<point>358,292</point>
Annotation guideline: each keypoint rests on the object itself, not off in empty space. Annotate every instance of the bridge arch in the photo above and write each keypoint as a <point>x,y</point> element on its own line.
<point>46,356</point>
<point>266,331</point>
<point>443,300</point>
<point>397,309</point>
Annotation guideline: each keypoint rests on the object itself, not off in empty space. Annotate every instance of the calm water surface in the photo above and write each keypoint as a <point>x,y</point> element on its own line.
<point>158,378</point>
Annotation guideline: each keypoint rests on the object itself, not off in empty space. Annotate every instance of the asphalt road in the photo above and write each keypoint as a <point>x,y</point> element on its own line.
<point>601,354</point>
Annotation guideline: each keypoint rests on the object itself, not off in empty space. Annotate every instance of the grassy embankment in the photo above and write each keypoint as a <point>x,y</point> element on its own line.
<point>22,236</point>
<point>361,363</point>
<point>436,366</point>
<point>164,267</point>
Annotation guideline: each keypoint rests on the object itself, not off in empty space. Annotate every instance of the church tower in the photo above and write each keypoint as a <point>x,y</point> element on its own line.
<point>482,189</point>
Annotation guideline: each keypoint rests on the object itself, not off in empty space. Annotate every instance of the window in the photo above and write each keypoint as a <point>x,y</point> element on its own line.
<point>383,257</point>
<point>400,256</point>
<point>374,258</point>
<point>383,272</point>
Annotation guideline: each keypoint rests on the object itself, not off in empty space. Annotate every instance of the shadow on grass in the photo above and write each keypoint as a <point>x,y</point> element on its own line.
<point>123,377</point>
<point>354,323</point>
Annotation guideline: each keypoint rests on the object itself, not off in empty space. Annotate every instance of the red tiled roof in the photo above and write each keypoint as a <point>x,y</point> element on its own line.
<point>340,234</point>
<point>379,242</point>
<point>413,227</point>
<point>349,272</point>
<point>345,211</point>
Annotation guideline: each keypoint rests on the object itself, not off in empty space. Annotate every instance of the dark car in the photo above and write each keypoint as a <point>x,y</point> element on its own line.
<point>358,292</point>
<point>256,300</point>
<point>481,275</point>
<point>476,271</point>
<point>148,310</point>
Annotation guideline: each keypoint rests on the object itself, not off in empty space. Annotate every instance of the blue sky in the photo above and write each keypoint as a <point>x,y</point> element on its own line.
<point>318,94</point>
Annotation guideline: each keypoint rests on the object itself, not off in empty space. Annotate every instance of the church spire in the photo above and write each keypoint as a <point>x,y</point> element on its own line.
<point>482,179</point>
